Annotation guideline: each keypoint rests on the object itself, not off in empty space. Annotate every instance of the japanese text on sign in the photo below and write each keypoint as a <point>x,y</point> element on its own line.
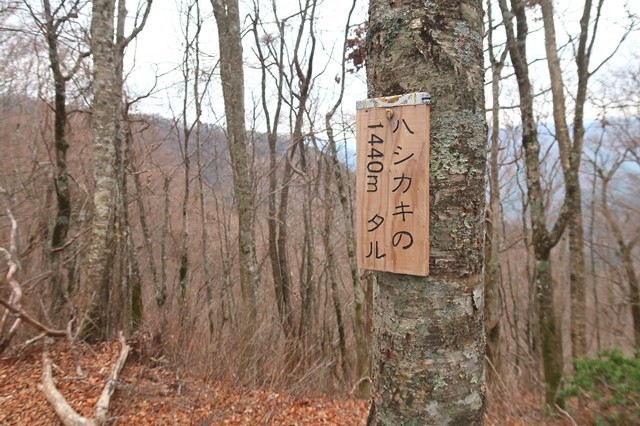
<point>392,184</point>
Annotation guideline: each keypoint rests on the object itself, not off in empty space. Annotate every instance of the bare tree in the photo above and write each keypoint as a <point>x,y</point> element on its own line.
<point>571,153</point>
<point>625,244</point>
<point>274,52</point>
<point>227,16</point>
<point>362,349</point>
<point>51,25</point>
<point>108,46</point>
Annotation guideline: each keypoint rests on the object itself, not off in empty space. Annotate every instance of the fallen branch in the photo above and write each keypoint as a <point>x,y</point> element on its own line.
<point>32,321</point>
<point>67,415</point>
<point>102,406</point>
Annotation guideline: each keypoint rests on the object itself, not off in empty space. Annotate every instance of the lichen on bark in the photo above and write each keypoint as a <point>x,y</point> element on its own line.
<point>428,331</point>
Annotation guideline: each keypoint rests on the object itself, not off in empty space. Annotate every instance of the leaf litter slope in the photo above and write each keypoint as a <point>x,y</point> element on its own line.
<point>153,396</point>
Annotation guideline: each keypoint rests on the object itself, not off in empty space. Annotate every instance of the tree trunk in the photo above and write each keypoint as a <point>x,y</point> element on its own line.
<point>577,282</point>
<point>543,240</point>
<point>362,347</point>
<point>550,333</point>
<point>105,100</point>
<point>492,302</point>
<point>331,268</point>
<point>625,249</point>
<point>570,155</point>
<point>231,72</point>
<point>63,194</point>
<point>428,348</point>
<point>280,283</point>
<point>307,280</point>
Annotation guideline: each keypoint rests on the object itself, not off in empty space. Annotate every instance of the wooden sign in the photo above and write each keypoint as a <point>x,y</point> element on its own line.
<point>392,184</point>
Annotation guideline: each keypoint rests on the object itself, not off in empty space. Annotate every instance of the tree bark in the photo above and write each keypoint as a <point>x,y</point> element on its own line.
<point>280,281</point>
<point>63,194</point>
<point>428,348</point>
<point>570,156</point>
<point>105,100</point>
<point>231,72</point>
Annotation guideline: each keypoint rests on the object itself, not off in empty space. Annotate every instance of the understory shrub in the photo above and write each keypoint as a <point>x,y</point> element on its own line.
<point>608,386</point>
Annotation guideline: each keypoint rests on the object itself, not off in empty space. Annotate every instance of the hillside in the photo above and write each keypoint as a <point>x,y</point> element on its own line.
<point>154,394</point>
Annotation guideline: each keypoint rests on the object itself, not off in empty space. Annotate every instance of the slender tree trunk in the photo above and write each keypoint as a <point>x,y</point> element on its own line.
<point>231,71</point>
<point>624,252</point>
<point>131,252</point>
<point>543,239</point>
<point>280,282</point>
<point>164,255</point>
<point>307,278</point>
<point>428,349</point>
<point>360,330</point>
<point>362,349</point>
<point>183,269</point>
<point>492,306</point>
<point>570,155</point>
<point>204,235</point>
<point>160,293</point>
<point>329,219</point>
<point>63,194</point>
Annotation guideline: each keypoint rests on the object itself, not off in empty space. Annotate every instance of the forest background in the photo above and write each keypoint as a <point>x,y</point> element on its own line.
<point>287,307</point>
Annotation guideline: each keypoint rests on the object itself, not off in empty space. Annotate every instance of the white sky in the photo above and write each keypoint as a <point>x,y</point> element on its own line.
<point>158,49</point>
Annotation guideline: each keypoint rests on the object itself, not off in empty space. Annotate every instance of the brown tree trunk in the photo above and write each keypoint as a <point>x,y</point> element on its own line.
<point>428,348</point>
<point>329,220</point>
<point>577,283</point>
<point>280,282</point>
<point>307,280</point>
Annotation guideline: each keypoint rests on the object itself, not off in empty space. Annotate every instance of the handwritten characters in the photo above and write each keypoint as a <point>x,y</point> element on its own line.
<point>401,239</point>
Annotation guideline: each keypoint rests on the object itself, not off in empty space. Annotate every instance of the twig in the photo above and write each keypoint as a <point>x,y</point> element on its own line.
<point>355,386</point>
<point>497,375</point>
<point>74,353</point>
<point>566,414</point>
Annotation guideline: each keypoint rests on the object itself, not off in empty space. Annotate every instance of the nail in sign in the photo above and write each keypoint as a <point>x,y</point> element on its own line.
<point>392,184</point>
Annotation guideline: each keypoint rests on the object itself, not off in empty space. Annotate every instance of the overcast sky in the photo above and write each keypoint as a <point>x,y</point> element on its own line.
<point>159,47</point>
<point>158,50</point>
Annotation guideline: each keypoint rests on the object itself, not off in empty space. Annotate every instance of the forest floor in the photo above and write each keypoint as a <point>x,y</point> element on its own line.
<point>156,395</point>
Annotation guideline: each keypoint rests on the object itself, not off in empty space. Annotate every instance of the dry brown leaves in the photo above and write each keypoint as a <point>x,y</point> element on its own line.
<point>160,396</point>
<point>154,396</point>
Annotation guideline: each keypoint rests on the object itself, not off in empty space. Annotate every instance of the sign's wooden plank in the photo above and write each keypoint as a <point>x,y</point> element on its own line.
<point>392,187</point>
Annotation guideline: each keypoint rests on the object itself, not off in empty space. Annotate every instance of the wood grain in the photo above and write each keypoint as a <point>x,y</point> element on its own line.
<point>392,189</point>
